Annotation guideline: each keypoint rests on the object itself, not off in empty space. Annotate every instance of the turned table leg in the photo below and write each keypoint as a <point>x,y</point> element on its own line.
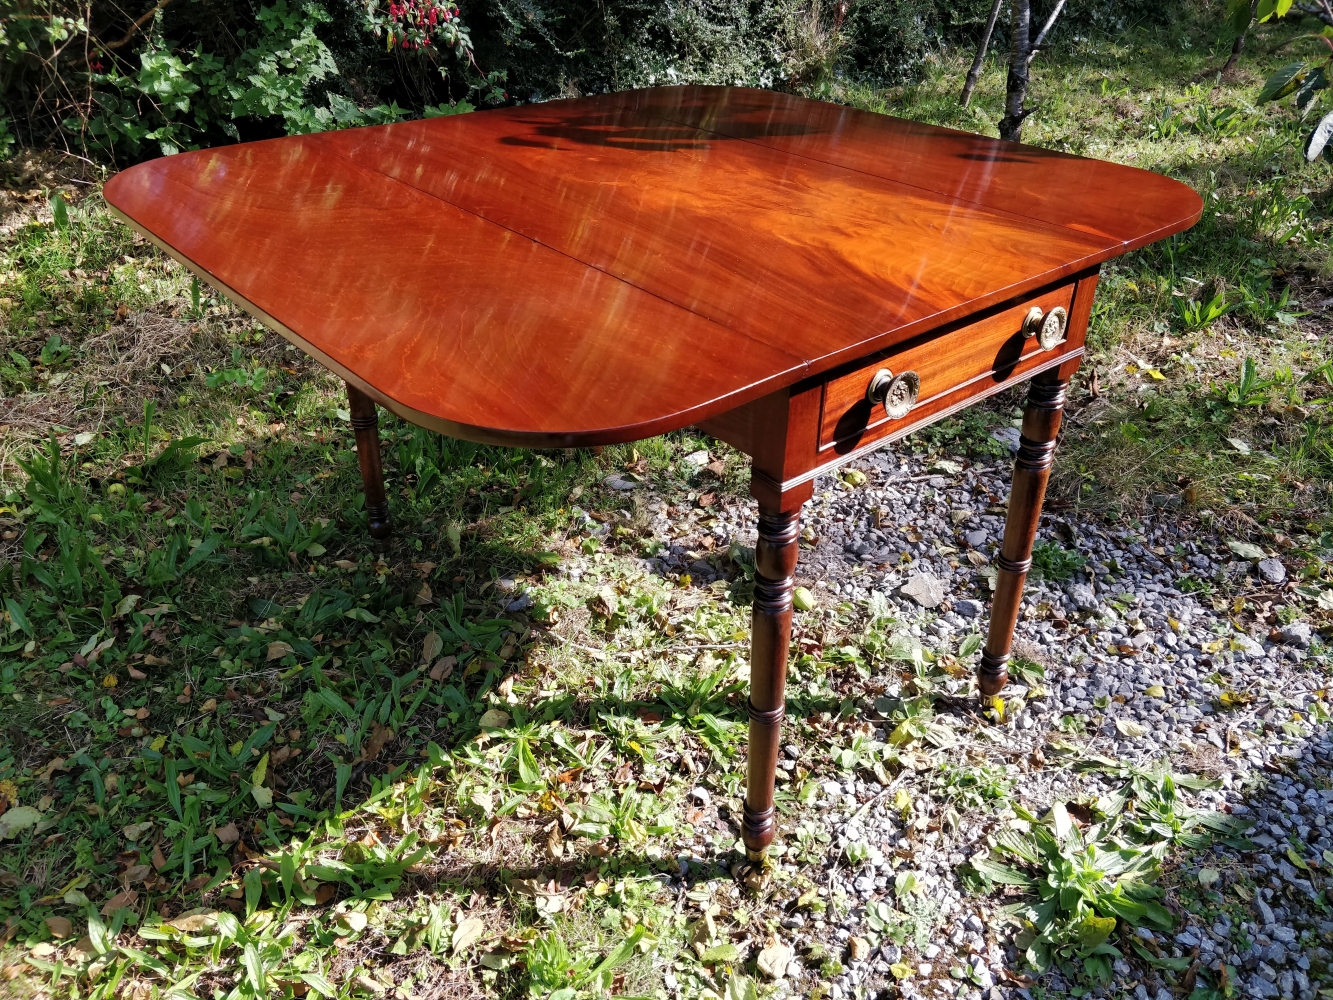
<point>1032,469</point>
<point>775,565</point>
<point>365,424</point>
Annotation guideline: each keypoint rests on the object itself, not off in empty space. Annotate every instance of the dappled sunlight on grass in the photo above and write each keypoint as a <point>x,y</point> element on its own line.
<point>256,754</point>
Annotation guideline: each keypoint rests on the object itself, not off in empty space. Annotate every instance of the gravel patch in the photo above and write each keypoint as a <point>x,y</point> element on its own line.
<point>1141,662</point>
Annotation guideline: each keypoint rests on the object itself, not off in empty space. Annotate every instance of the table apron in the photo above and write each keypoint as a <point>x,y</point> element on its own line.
<point>830,460</point>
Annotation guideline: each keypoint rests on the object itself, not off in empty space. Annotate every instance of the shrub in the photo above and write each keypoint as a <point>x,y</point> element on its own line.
<point>125,83</point>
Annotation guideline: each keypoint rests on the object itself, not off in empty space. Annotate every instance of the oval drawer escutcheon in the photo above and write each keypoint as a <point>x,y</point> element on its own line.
<point>1052,332</point>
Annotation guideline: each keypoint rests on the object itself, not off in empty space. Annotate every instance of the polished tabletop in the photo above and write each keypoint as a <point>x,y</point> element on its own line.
<point>604,269</point>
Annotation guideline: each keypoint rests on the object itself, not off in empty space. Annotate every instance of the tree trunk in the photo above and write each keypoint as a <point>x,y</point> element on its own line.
<point>1016,87</point>
<point>975,72</point>
<point>1236,48</point>
<point>1238,45</point>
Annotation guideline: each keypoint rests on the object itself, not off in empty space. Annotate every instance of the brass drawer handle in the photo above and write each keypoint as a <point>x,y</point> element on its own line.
<point>897,393</point>
<point>1048,328</point>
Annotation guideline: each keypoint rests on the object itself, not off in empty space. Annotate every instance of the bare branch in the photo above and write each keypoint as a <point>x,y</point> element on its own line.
<point>1050,23</point>
<point>1323,11</point>
<point>974,73</point>
<point>1045,30</point>
<point>134,28</point>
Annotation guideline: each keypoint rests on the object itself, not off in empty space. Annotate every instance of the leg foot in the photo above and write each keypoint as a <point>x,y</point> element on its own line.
<point>1032,470</point>
<point>775,567</point>
<point>365,425</point>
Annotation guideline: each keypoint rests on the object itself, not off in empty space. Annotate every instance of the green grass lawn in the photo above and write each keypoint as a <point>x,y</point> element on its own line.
<point>256,754</point>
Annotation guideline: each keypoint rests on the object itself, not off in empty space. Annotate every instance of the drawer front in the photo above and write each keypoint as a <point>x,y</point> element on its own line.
<point>972,360</point>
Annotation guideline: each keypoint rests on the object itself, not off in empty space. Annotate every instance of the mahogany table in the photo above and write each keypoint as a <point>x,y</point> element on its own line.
<point>802,280</point>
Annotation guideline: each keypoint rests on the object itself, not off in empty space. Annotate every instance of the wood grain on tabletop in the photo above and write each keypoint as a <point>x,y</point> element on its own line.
<point>608,268</point>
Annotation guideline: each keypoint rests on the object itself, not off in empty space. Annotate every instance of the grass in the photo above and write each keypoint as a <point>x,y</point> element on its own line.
<point>1153,411</point>
<point>262,755</point>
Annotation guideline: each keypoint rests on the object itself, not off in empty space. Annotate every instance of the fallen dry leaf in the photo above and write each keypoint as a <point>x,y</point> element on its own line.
<point>431,646</point>
<point>467,933</point>
<point>278,649</point>
<point>156,661</point>
<point>119,901</point>
<point>228,834</point>
<point>136,874</point>
<point>59,926</point>
<point>605,603</point>
<point>444,666</point>
<point>56,764</point>
<point>379,736</point>
<point>774,959</point>
<point>194,921</point>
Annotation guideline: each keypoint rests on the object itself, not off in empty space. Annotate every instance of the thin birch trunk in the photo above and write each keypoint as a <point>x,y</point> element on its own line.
<point>974,73</point>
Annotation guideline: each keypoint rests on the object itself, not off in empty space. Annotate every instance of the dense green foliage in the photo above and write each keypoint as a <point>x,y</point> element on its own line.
<point>123,84</point>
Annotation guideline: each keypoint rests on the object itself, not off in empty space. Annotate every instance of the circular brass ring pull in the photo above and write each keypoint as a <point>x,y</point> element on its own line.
<point>1052,332</point>
<point>897,393</point>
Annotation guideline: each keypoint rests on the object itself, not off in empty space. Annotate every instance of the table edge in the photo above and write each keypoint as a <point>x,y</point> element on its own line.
<point>619,434</point>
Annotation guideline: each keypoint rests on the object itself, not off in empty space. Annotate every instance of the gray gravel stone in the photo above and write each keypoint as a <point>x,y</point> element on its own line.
<point>969,608</point>
<point>1261,987</point>
<point>927,590</point>
<point>1272,570</point>
<point>1007,436</point>
<point>1083,597</point>
<point>1297,634</point>
<point>1248,647</point>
